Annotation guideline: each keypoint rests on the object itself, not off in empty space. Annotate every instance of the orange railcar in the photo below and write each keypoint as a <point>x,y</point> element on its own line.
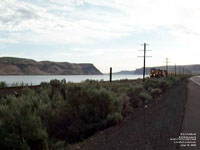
<point>158,73</point>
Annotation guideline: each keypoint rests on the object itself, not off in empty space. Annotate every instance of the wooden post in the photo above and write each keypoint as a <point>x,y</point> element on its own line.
<point>110,74</point>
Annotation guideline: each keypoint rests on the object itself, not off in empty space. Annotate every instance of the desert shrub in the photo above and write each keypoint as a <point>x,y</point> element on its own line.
<point>57,145</point>
<point>95,105</point>
<point>164,84</point>
<point>127,108</point>
<point>151,83</point>
<point>57,99</point>
<point>134,94</point>
<point>138,96</point>
<point>155,92</point>
<point>114,87</point>
<point>21,127</point>
<point>175,80</point>
<point>44,95</point>
<point>83,111</point>
<point>114,118</point>
<point>145,97</point>
<point>44,84</point>
<point>60,113</point>
<point>27,122</point>
<point>24,145</point>
<point>135,90</point>
<point>3,84</point>
<point>57,83</point>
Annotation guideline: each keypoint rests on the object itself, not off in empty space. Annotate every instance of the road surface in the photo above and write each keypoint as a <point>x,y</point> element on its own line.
<point>191,121</point>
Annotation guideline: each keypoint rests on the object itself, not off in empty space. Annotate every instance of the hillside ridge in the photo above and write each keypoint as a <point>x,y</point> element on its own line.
<point>23,66</point>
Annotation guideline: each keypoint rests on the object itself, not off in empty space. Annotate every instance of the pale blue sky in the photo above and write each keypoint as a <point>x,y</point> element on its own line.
<point>103,32</point>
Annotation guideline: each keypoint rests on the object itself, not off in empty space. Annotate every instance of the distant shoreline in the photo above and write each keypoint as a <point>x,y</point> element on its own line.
<point>69,74</point>
<point>54,75</point>
<point>37,79</point>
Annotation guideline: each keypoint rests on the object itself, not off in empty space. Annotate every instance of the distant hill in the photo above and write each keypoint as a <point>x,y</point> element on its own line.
<point>21,66</point>
<point>195,69</point>
<point>125,72</point>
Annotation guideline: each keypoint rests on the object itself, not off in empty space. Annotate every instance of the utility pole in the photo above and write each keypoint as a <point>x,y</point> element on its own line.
<point>110,74</point>
<point>167,63</point>
<point>175,70</point>
<point>144,67</point>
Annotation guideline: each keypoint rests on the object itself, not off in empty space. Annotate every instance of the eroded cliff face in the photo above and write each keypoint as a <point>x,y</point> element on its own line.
<point>20,66</point>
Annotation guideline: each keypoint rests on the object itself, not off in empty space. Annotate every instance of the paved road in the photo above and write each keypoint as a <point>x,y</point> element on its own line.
<point>191,121</point>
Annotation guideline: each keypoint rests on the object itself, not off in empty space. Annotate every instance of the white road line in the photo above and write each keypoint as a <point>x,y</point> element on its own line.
<point>194,81</point>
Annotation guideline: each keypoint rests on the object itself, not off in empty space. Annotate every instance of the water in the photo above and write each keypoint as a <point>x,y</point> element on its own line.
<point>37,79</point>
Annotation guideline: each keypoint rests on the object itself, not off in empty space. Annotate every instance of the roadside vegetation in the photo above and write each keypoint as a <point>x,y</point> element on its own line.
<point>3,84</point>
<point>59,113</point>
<point>17,84</point>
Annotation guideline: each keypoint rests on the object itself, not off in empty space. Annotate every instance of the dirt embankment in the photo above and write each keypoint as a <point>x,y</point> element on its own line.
<point>148,129</point>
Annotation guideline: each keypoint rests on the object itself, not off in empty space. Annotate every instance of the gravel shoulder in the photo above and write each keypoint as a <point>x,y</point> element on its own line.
<point>147,129</point>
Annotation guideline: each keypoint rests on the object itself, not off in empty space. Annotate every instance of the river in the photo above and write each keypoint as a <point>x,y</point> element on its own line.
<point>37,79</point>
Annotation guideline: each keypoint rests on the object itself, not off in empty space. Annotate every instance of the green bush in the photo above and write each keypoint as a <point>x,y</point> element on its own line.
<point>134,93</point>
<point>165,84</point>
<point>114,118</point>
<point>151,83</point>
<point>20,125</point>
<point>127,108</point>
<point>175,80</point>
<point>145,97</point>
<point>60,113</point>
<point>91,107</point>
<point>57,145</point>
<point>155,92</point>
<point>80,111</point>
<point>3,84</point>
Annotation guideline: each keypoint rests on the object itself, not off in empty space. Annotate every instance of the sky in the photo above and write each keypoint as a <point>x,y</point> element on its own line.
<point>107,33</point>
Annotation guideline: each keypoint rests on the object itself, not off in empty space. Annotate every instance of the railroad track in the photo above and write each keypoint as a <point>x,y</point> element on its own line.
<point>15,90</point>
